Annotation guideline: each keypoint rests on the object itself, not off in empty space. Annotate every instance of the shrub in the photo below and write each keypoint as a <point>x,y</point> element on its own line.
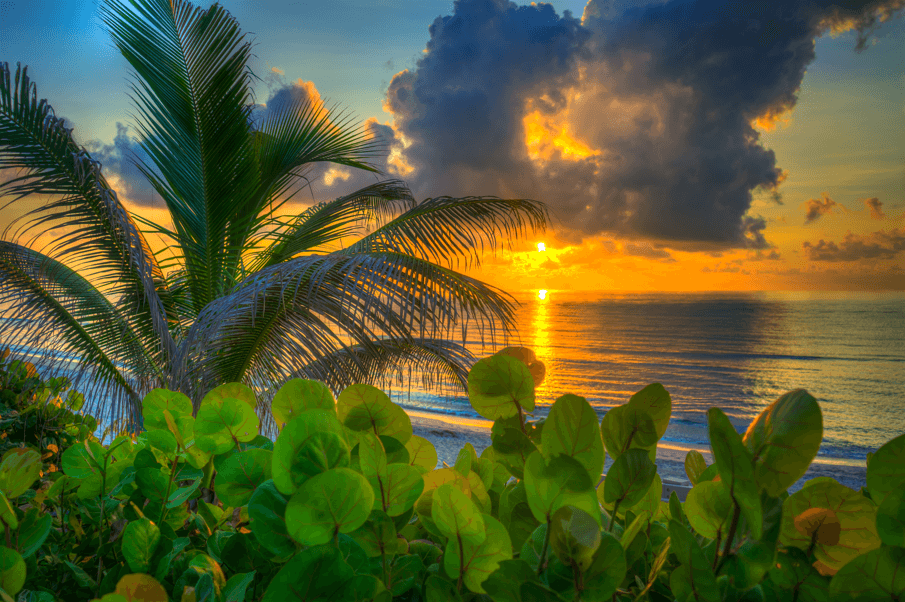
<point>346,504</point>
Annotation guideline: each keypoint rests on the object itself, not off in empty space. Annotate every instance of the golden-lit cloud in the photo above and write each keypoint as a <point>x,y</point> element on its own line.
<point>875,206</point>
<point>883,244</point>
<point>814,208</point>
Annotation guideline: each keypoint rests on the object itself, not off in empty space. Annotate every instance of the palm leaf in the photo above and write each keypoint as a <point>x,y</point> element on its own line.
<point>194,98</point>
<point>67,316</point>
<point>308,310</point>
<point>98,233</point>
<point>327,222</point>
<point>443,229</point>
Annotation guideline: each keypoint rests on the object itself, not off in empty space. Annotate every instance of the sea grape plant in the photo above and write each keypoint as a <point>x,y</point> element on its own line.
<point>348,504</point>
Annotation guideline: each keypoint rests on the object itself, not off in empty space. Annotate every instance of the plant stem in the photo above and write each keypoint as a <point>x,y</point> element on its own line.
<point>613,516</point>
<point>541,565</point>
<point>732,527</point>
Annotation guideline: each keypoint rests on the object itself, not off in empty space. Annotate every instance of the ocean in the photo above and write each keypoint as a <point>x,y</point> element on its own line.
<point>738,351</point>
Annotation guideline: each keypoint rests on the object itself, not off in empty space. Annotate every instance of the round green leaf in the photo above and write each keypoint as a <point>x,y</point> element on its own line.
<point>625,427</point>
<point>886,471</point>
<point>607,570</point>
<point>629,478</point>
<point>241,475</point>
<point>83,460</point>
<point>699,573</point>
<point>308,445</point>
<point>12,571</point>
<point>708,507</point>
<point>317,573</point>
<point>33,531</point>
<point>231,391</point>
<point>477,560</point>
<point>18,470</point>
<point>397,488</point>
<point>499,385</point>
<point>224,422</point>
<point>571,428</point>
<point>891,519</point>
<point>158,400</point>
<point>654,399</point>
<point>336,501</point>
<point>783,440</point>
<point>694,466</point>
<point>299,395</point>
<point>856,515</point>
<point>421,452</point>
<point>561,481</point>
<point>872,577</point>
<point>140,539</point>
<point>736,469</point>
<point>456,515</point>
<point>367,408</point>
<point>267,512</point>
<point>574,536</point>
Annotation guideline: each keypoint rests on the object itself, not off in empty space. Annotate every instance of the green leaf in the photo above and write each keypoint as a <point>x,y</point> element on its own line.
<point>157,402</point>
<point>574,536</point>
<point>294,463</point>
<point>456,515</point>
<point>694,466</point>
<point>511,447</point>
<point>500,386</point>
<point>464,460</point>
<point>367,408</point>
<point>736,469</point>
<point>792,571</point>
<point>607,570</point>
<point>241,475</point>
<point>336,501</point>
<point>378,535</point>
<point>234,590</point>
<point>140,539</point>
<point>18,470</point>
<point>422,452</point>
<point>709,507</point>
<point>12,571</point>
<point>698,575</point>
<point>561,481</point>
<point>231,391</point>
<point>571,428</point>
<point>267,512</point>
<point>33,531</point>
<point>629,478</point>
<point>654,399</point>
<point>886,471</point>
<point>83,460</point>
<point>891,519</point>
<point>398,487</point>
<point>856,514</point>
<point>317,573</point>
<point>222,423</point>
<point>477,560</point>
<point>784,440</point>
<point>299,395</point>
<point>628,427</point>
<point>871,577</point>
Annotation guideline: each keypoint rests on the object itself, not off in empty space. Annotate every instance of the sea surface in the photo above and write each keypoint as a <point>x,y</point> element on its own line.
<point>738,351</point>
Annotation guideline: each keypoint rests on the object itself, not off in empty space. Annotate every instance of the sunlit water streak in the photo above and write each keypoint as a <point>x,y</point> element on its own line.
<point>737,351</point>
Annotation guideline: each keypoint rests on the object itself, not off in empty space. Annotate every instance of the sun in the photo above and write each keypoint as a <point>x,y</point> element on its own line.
<point>542,294</point>
<point>541,247</point>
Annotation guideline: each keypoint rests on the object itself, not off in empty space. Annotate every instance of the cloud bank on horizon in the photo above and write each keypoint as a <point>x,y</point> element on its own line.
<point>633,122</point>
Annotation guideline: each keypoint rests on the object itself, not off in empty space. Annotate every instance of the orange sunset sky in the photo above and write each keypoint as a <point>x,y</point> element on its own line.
<point>679,145</point>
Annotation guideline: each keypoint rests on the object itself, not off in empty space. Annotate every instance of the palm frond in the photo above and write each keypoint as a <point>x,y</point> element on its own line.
<point>306,311</point>
<point>96,232</point>
<point>51,310</point>
<point>193,95</point>
<point>327,222</point>
<point>443,229</point>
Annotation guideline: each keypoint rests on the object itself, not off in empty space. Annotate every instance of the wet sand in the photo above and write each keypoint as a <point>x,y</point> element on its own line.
<point>449,434</point>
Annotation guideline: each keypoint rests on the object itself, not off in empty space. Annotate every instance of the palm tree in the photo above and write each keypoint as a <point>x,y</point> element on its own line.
<point>239,294</point>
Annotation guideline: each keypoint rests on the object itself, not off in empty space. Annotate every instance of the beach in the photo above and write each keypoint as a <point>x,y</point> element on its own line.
<point>449,434</point>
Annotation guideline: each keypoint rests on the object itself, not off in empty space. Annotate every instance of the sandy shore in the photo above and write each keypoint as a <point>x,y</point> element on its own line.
<point>449,434</point>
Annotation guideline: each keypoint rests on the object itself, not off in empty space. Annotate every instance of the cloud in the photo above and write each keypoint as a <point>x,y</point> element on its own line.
<point>876,245</point>
<point>815,207</point>
<point>118,167</point>
<point>875,206</point>
<point>646,250</point>
<point>631,122</point>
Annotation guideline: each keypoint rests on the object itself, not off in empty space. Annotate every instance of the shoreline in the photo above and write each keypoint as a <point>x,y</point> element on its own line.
<point>449,434</point>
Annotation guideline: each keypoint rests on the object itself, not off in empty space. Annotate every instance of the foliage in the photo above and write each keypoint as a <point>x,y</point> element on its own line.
<point>347,505</point>
<point>348,291</point>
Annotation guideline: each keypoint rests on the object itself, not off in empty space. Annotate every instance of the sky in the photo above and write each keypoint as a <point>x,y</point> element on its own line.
<point>679,145</point>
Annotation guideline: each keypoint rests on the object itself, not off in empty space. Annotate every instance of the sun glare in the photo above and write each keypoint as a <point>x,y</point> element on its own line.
<point>542,294</point>
<point>541,246</point>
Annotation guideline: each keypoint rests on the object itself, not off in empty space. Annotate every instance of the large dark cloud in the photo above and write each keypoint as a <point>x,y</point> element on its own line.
<point>647,111</point>
<point>876,245</point>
